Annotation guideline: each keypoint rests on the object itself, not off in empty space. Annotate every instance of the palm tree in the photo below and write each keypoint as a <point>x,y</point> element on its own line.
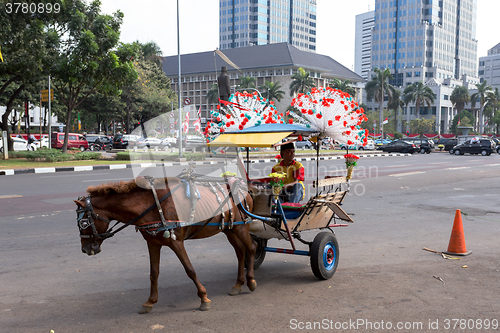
<point>483,90</point>
<point>246,82</point>
<point>459,97</point>
<point>395,102</point>
<point>213,94</point>
<point>419,94</point>
<point>344,86</point>
<point>301,82</point>
<point>378,87</point>
<point>272,91</point>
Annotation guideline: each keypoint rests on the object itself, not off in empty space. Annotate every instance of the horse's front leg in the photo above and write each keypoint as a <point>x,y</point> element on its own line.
<point>241,233</point>
<point>178,248</point>
<point>154,261</point>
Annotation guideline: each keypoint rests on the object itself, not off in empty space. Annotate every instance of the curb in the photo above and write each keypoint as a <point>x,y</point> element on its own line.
<point>10,172</point>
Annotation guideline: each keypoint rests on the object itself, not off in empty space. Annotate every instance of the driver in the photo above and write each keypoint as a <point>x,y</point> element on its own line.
<point>293,188</point>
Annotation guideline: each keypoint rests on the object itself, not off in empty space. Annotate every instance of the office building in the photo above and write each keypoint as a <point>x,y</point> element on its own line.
<point>430,41</point>
<point>489,67</point>
<point>245,23</point>
<point>363,43</point>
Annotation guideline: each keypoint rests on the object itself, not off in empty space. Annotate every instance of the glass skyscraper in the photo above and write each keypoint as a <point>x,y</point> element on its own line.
<point>423,39</point>
<point>256,22</point>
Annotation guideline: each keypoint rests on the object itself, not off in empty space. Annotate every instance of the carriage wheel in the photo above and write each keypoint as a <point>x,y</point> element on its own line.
<point>260,254</point>
<point>324,255</point>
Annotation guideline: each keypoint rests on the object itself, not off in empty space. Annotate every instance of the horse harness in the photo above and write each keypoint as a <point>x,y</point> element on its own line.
<point>155,227</point>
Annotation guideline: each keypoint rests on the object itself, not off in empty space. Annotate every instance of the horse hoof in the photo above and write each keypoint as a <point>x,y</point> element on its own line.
<point>205,306</point>
<point>145,309</point>
<point>252,285</point>
<point>235,291</point>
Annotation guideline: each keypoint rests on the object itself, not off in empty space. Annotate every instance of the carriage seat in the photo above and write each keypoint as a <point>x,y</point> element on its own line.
<point>293,210</point>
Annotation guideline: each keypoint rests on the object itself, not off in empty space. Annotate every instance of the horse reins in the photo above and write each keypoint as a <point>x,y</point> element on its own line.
<point>91,216</point>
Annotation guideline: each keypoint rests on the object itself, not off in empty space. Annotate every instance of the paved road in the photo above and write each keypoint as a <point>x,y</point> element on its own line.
<point>399,204</point>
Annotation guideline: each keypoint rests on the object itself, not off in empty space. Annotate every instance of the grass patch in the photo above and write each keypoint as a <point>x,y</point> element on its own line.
<point>158,156</point>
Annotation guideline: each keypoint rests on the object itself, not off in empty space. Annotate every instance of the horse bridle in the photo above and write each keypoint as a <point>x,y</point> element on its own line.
<point>83,223</point>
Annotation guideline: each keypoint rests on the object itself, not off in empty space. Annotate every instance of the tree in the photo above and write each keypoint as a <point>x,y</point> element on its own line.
<point>301,82</point>
<point>395,102</point>
<point>213,94</point>
<point>378,87</point>
<point>419,94</point>
<point>272,91</point>
<point>344,86</point>
<point>245,83</point>
<point>466,119</point>
<point>483,90</point>
<point>422,125</point>
<point>459,97</point>
<point>27,47</point>
<point>88,59</point>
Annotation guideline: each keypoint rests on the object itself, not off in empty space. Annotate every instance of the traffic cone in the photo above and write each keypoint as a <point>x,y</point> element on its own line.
<point>456,246</point>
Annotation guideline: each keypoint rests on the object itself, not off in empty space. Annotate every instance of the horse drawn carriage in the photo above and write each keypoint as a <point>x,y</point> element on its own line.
<point>169,210</point>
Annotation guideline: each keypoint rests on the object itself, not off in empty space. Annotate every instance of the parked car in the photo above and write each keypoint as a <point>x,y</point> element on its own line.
<point>44,143</point>
<point>304,144</point>
<point>75,140</point>
<point>381,143</point>
<point>193,141</point>
<point>370,145</point>
<point>121,141</point>
<point>168,142</point>
<point>19,145</point>
<point>400,146</point>
<point>481,146</point>
<point>425,146</point>
<point>448,145</point>
<point>146,143</point>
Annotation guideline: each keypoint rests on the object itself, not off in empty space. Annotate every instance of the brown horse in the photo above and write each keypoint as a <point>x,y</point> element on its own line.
<point>127,201</point>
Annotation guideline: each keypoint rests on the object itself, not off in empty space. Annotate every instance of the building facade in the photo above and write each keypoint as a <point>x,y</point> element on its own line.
<point>430,41</point>
<point>245,23</point>
<point>489,67</point>
<point>363,43</point>
<point>275,63</point>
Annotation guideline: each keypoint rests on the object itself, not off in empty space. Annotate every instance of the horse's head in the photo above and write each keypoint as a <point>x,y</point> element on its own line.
<point>92,224</point>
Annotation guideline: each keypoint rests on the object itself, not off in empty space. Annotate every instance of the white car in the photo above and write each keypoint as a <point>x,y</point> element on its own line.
<point>19,145</point>
<point>45,143</point>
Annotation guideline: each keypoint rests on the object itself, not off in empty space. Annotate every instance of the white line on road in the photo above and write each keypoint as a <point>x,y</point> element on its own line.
<point>100,180</point>
<point>406,174</point>
<point>458,168</point>
<point>497,164</point>
<point>441,163</point>
<point>10,196</point>
<point>76,175</point>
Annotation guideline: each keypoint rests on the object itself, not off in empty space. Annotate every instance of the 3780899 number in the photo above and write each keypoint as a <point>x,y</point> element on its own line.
<point>32,8</point>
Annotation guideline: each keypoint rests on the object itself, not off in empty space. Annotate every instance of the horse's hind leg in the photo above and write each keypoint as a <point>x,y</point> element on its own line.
<point>243,235</point>
<point>237,240</point>
<point>178,248</point>
<point>154,261</point>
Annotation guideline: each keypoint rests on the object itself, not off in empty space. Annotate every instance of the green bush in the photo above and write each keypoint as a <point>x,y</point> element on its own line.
<point>58,157</point>
<point>87,156</point>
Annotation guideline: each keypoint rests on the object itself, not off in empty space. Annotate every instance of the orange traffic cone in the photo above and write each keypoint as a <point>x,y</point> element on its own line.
<point>457,239</point>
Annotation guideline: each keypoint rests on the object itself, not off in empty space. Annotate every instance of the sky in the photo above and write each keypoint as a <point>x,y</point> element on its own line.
<point>156,21</point>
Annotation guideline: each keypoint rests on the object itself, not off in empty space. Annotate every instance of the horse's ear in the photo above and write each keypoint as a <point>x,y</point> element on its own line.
<point>79,203</point>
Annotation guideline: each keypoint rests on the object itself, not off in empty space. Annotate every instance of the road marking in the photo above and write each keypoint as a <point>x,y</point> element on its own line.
<point>497,164</point>
<point>10,196</point>
<point>441,163</point>
<point>458,168</point>
<point>406,174</point>
<point>73,175</point>
<point>100,180</point>
<point>397,166</point>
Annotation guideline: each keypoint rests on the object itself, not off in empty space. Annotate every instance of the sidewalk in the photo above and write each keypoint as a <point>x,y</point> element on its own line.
<point>254,158</point>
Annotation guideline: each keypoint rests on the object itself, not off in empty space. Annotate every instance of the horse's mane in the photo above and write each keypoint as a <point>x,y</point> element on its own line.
<point>128,186</point>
